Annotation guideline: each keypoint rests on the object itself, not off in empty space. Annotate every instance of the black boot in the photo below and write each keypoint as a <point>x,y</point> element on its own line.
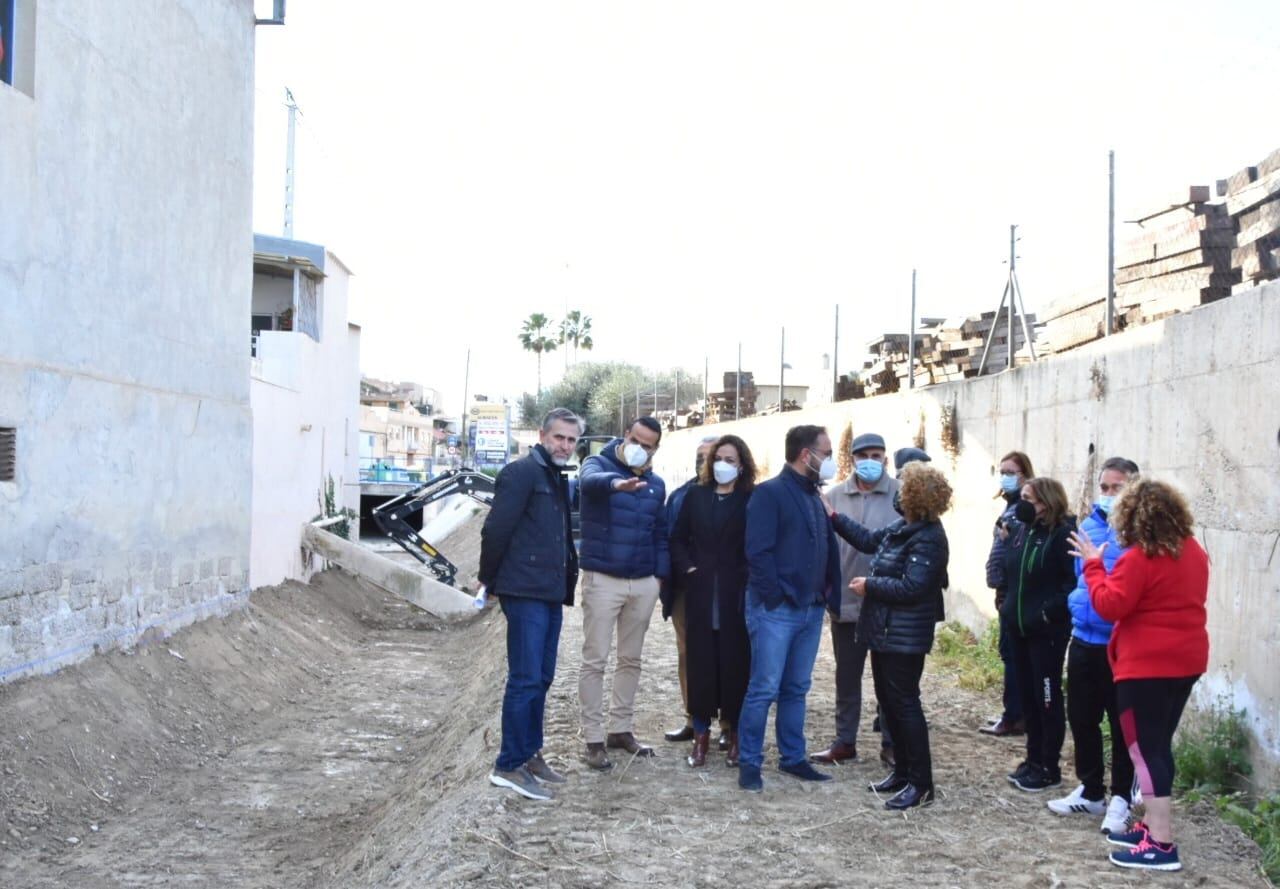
<point>910,797</point>
<point>892,784</point>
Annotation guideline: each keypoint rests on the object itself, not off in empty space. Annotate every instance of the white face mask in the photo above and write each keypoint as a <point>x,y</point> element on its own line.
<point>827,469</point>
<point>724,472</point>
<point>635,455</point>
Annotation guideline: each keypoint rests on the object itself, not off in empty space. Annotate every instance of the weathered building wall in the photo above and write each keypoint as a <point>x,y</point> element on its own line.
<point>125,264</point>
<point>1193,399</point>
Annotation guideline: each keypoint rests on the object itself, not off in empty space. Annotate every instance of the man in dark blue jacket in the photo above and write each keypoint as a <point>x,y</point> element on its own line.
<point>624,554</point>
<point>793,576</point>
<point>527,560</point>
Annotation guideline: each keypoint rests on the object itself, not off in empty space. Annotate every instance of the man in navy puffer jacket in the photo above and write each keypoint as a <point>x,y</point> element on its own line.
<point>624,554</point>
<point>1091,692</point>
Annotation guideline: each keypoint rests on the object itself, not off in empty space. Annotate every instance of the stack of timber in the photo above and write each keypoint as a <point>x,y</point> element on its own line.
<point>1180,257</point>
<point>1253,203</point>
<point>1179,260</point>
<point>737,394</point>
<point>946,350</point>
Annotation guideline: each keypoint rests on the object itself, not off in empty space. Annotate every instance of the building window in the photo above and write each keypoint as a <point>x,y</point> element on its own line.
<point>8,454</point>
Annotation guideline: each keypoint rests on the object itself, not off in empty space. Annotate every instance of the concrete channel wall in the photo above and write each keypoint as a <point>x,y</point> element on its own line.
<point>126,258</point>
<point>1194,399</point>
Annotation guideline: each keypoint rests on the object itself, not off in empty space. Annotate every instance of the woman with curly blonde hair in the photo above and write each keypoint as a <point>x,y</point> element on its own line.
<point>902,603</point>
<point>1155,595</point>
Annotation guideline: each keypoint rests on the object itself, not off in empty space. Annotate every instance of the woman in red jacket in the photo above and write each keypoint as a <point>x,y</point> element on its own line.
<point>1155,595</point>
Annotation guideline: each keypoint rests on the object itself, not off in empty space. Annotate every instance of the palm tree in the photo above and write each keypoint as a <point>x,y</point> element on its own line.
<point>535,339</point>
<point>576,329</point>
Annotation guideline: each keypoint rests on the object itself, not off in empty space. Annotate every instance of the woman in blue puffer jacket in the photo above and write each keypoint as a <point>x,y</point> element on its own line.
<point>1090,689</point>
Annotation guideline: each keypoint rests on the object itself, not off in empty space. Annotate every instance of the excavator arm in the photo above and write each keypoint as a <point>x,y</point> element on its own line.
<point>392,516</point>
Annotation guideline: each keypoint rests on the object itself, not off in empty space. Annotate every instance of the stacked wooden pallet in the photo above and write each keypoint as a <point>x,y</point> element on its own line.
<point>737,399</point>
<point>1181,258</point>
<point>1253,203</point>
<point>946,350</point>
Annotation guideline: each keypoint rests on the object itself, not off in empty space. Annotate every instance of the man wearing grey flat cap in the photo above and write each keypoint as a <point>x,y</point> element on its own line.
<point>867,496</point>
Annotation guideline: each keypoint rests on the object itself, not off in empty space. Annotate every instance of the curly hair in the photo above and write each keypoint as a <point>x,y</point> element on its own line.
<point>1154,516</point>
<point>748,473</point>
<point>925,493</point>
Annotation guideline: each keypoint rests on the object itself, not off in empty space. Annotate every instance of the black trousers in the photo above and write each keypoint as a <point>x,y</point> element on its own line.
<point>897,683</point>
<point>1039,660</point>
<point>1091,694</point>
<point>1149,713</point>
<point>1012,697</point>
<point>851,660</point>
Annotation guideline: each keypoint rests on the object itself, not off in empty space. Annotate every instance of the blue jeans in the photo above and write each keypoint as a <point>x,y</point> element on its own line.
<point>533,635</point>
<point>784,646</point>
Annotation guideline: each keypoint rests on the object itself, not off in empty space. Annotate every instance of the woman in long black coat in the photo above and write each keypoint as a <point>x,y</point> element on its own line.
<point>708,550</point>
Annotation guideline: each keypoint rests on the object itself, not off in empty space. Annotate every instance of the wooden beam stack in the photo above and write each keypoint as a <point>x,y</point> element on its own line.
<point>946,350</point>
<point>1253,202</point>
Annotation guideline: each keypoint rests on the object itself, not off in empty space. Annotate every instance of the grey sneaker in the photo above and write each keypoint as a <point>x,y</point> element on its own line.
<point>537,766</point>
<point>521,782</point>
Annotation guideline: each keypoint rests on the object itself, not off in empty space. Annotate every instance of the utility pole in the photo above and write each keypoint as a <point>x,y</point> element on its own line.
<point>835,359</point>
<point>637,396</point>
<point>655,393</point>
<point>288,164</point>
<point>675,399</point>
<point>1013,267</point>
<point>466,385</point>
<point>911,339</point>
<point>782,371</point>
<point>1013,294</point>
<point>737,387</point>
<point>1111,243</point>
<point>622,413</point>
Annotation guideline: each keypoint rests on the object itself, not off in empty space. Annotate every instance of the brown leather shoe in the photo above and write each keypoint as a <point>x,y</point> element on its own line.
<point>697,757</point>
<point>627,741</point>
<point>1003,728</point>
<point>839,752</point>
<point>731,758</point>
<point>597,759</point>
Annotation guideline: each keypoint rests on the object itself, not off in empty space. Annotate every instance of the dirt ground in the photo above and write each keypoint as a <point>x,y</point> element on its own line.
<point>327,737</point>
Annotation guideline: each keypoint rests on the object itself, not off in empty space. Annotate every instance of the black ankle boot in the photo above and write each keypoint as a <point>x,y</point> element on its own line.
<point>910,797</point>
<point>892,784</point>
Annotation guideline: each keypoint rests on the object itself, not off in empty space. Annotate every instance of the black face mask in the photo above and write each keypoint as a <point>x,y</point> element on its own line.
<point>897,503</point>
<point>1025,512</point>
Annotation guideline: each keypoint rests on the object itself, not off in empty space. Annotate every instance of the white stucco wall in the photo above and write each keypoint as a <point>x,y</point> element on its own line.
<point>1193,399</point>
<point>125,261</point>
<point>306,411</point>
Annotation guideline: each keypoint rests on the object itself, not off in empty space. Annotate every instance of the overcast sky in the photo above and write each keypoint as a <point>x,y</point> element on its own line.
<point>695,174</point>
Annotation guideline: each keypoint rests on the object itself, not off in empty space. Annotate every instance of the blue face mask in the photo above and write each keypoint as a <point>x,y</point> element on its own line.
<point>868,471</point>
<point>1106,502</point>
<point>1008,483</point>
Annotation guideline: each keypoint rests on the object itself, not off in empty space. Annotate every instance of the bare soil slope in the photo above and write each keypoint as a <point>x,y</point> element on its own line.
<point>329,737</point>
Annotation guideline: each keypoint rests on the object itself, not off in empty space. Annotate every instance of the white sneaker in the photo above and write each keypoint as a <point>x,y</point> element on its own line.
<point>1074,803</point>
<point>1117,819</point>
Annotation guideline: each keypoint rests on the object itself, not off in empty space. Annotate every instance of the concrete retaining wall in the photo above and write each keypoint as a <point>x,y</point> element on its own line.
<point>1194,399</point>
<point>125,263</point>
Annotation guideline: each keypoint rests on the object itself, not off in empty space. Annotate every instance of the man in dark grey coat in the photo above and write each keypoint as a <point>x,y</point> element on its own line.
<point>866,496</point>
<point>528,561</point>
